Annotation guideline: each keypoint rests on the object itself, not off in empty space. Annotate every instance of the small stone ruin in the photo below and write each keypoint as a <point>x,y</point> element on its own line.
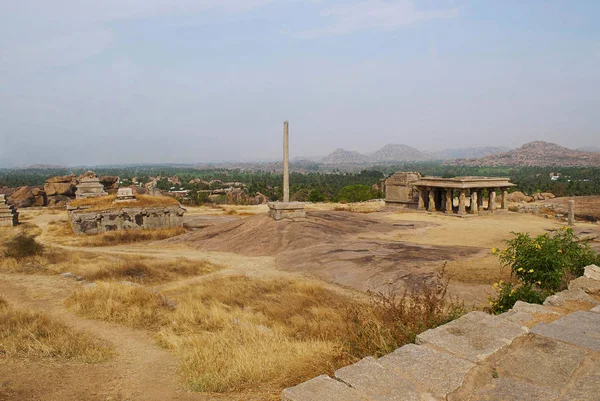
<point>8,215</point>
<point>125,195</point>
<point>89,186</point>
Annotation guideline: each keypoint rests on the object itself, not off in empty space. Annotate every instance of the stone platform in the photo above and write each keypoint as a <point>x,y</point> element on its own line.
<point>8,215</point>
<point>545,352</point>
<point>286,210</point>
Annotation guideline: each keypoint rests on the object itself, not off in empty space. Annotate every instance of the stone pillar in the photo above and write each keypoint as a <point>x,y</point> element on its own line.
<point>492,201</point>
<point>505,199</point>
<point>421,205</point>
<point>431,205</point>
<point>286,161</point>
<point>449,200</point>
<point>480,200</point>
<point>462,202</point>
<point>571,212</point>
<point>474,208</point>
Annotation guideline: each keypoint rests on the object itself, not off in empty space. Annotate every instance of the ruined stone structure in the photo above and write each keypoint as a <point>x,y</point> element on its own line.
<point>89,186</point>
<point>533,352</point>
<point>286,209</point>
<point>8,215</point>
<point>439,194</point>
<point>125,218</point>
<point>125,195</point>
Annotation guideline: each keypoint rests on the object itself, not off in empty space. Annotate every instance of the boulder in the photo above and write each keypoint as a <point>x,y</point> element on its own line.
<point>61,185</point>
<point>538,197</point>
<point>548,195</point>
<point>237,197</point>
<point>27,197</point>
<point>260,199</point>
<point>519,197</point>
<point>58,200</point>
<point>109,182</point>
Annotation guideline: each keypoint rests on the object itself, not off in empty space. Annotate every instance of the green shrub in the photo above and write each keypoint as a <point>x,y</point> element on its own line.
<point>316,196</point>
<point>21,246</point>
<point>356,193</point>
<point>542,266</point>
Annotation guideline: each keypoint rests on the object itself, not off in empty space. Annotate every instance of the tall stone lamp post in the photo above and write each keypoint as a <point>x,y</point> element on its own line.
<point>286,209</point>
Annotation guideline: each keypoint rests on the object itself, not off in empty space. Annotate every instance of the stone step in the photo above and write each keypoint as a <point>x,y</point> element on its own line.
<point>543,361</point>
<point>592,271</point>
<point>421,364</point>
<point>376,382</point>
<point>322,388</point>
<point>579,328</point>
<point>474,336</point>
<point>508,389</point>
<point>589,285</point>
<point>563,298</point>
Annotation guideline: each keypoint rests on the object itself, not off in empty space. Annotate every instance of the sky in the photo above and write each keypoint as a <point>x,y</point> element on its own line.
<point>87,82</point>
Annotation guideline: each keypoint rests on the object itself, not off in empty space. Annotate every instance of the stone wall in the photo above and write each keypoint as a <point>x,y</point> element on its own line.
<point>125,218</point>
<point>398,189</point>
<point>545,352</point>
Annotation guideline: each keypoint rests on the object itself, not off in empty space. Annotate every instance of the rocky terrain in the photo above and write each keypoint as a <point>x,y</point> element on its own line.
<point>537,154</point>
<point>342,156</point>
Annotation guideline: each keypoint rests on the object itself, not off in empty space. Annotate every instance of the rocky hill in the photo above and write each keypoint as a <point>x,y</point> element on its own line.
<point>468,153</point>
<point>342,156</point>
<point>537,153</point>
<point>394,152</point>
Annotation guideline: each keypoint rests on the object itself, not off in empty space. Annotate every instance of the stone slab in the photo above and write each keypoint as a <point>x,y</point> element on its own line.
<point>321,388</point>
<point>543,361</point>
<point>592,271</point>
<point>507,389</point>
<point>596,309</point>
<point>564,297</point>
<point>434,371</point>
<point>474,336</point>
<point>521,306</point>
<point>586,388</point>
<point>589,285</point>
<point>376,382</point>
<point>578,328</point>
<point>286,205</point>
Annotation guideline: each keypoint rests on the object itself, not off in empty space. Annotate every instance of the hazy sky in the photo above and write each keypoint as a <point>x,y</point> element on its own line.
<point>124,81</point>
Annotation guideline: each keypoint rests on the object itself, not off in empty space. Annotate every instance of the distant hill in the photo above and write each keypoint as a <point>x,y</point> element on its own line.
<point>592,149</point>
<point>394,153</point>
<point>468,153</point>
<point>342,156</point>
<point>537,153</point>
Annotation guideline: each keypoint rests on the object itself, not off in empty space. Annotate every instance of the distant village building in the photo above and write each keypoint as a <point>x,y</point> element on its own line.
<point>460,195</point>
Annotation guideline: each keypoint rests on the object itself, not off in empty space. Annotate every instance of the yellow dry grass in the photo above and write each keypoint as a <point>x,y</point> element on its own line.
<point>32,335</point>
<point>108,202</point>
<point>127,237</point>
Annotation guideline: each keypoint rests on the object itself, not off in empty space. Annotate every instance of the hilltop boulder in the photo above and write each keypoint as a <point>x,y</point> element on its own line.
<point>519,197</point>
<point>109,182</point>
<point>61,185</point>
<point>25,197</point>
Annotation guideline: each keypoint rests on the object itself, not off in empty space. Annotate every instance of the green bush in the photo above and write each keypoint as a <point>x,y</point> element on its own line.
<point>21,246</point>
<point>316,196</point>
<point>356,193</point>
<point>541,265</point>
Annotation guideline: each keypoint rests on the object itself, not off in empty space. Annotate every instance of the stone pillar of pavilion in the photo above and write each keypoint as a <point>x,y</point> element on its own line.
<point>480,200</point>
<point>474,205</point>
<point>462,202</point>
<point>421,204</point>
<point>431,205</point>
<point>492,201</point>
<point>286,209</point>
<point>449,200</point>
<point>504,199</point>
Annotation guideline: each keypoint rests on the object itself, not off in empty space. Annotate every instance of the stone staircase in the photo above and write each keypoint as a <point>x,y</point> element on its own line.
<point>547,352</point>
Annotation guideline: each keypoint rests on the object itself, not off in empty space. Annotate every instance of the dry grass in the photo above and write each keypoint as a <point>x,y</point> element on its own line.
<point>240,334</point>
<point>128,304</point>
<point>32,335</point>
<point>145,271</point>
<point>127,237</point>
<point>108,202</point>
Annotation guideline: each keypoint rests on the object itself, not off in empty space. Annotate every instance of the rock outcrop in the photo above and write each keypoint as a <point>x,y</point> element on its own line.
<point>109,182</point>
<point>519,197</point>
<point>61,185</point>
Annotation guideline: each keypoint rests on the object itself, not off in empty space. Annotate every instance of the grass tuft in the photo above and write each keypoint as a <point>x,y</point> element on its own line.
<point>32,335</point>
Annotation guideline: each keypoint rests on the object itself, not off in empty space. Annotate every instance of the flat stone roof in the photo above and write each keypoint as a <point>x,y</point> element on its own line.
<point>464,182</point>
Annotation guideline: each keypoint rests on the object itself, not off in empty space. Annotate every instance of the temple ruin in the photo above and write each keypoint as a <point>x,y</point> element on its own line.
<point>286,209</point>
<point>89,186</point>
<point>458,195</point>
<point>8,214</point>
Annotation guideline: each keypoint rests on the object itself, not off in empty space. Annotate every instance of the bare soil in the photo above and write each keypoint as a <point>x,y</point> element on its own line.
<point>586,207</point>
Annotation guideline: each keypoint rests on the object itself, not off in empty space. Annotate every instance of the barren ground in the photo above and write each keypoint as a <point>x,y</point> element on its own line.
<point>349,251</point>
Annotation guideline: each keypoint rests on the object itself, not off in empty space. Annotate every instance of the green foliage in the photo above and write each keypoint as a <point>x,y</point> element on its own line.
<point>316,196</point>
<point>22,246</point>
<point>542,265</point>
<point>356,193</point>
